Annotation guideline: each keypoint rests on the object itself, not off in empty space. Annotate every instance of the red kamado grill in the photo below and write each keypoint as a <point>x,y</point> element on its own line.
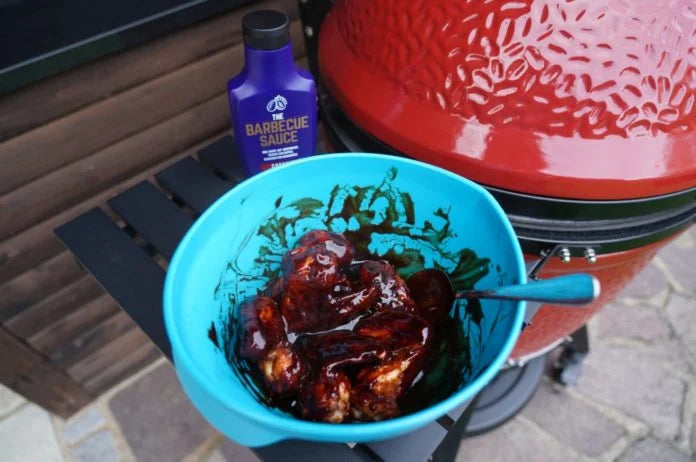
<point>578,116</point>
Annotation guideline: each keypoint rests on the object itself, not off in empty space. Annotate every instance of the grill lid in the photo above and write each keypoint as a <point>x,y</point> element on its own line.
<point>542,223</point>
<point>582,100</point>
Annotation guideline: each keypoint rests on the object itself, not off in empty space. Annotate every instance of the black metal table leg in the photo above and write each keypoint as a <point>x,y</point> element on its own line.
<point>447,451</point>
<point>568,368</point>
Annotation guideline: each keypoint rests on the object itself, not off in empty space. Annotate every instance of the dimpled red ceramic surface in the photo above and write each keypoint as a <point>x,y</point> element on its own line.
<point>613,271</point>
<point>583,99</point>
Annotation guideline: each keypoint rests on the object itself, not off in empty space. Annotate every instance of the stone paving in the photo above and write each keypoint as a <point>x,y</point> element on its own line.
<point>636,400</point>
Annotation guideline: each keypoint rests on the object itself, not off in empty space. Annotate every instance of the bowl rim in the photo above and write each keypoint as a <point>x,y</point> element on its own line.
<point>347,431</point>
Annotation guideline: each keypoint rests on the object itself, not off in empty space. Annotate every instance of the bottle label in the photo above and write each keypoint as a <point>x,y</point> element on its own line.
<point>278,138</point>
<point>282,133</point>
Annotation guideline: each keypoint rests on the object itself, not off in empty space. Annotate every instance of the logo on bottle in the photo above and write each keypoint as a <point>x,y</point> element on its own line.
<point>278,103</point>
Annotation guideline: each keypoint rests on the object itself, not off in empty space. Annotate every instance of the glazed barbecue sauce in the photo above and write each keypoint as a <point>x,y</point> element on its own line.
<point>340,349</point>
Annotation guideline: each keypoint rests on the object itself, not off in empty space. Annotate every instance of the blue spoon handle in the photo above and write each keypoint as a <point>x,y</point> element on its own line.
<point>572,289</point>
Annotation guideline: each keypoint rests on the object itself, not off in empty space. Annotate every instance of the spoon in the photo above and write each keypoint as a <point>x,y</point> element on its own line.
<point>434,294</point>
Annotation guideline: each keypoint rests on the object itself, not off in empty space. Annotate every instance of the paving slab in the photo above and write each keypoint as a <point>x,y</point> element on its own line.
<point>572,421</point>
<point>671,356</point>
<point>9,401</point>
<point>639,322</point>
<point>635,383</point>
<point>652,450</point>
<point>681,312</point>
<point>99,447</point>
<point>81,425</point>
<point>516,441</point>
<point>679,257</point>
<point>646,284</point>
<point>215,456</point>
<point>27,435</point>
<point>157,419</point>
<point>232,452</point>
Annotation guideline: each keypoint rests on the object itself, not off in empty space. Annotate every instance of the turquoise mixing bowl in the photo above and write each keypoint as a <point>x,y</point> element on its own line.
<point>410,213</point>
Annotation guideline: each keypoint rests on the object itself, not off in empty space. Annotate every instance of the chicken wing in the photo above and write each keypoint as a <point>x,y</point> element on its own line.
<point>315,292</point>
<point>327,397</point>
<point>283,370</point>
<point>261,328</point>
<point>339,348</point>
<point>377,389</point>
<point>394,294</point>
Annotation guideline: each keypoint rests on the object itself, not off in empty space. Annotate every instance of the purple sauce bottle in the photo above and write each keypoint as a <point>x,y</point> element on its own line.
<point>272,102</point>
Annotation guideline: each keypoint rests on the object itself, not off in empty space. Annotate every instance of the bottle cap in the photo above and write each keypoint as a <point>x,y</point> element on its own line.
<point>266,29</point>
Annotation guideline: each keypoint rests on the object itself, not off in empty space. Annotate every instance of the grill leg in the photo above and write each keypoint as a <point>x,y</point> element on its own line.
<point>568,368</point>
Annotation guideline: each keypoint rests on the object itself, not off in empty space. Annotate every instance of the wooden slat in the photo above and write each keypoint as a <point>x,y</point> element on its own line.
<point>64,187</point>
<point>38,243</point>
<point>39,151</point>
<point>34,285</point>
<point>127,365</point>
<point>65,329</point>
<point>124,270</point>
<point>157,219</point>
<point>193,183</point>
<point>107,355</point>
<point>91,340</point>
<point>16,357</point>
<point>56,306</point>
<point>85,85</point>
<point>223,157</point>
<point>63,396</point>
<point>27,373</point>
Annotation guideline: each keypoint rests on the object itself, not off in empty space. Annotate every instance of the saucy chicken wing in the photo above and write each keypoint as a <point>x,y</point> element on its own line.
<point>283,370</point>
<point>394,294</point>
<point>315,292</point>
<point>396,330</point>
<point>377,389</point>
<point>340,348</point>
<point>261,328</point>
<point>262,338</point>
<point>316,260</point>
<point>326,398</point>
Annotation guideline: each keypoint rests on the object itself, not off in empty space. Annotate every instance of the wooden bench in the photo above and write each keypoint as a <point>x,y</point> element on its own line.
<point>71,143</point>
